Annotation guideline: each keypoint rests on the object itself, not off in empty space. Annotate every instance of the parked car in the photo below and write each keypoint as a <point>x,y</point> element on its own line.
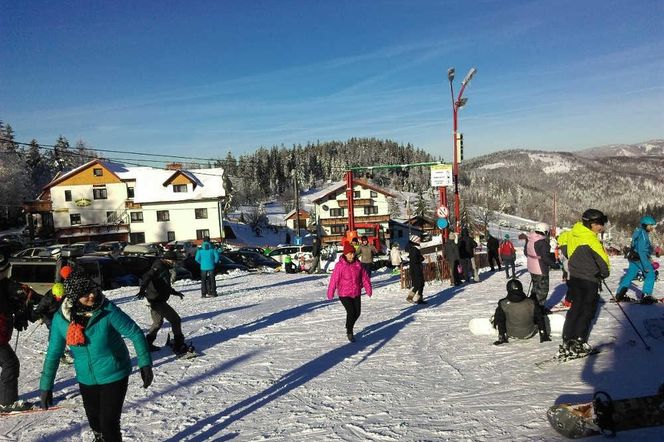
<point>32,252</point>
<point>53,251</point>
<point>7,248</point>
<point>12,237</point>
<point>137,265</point>
<point>295,252</point>
<point>111,274</point>
<point>182,248</point>
<point>39,274</point>
<point>111,248</point>
<point>253,260</point>
<point>143,249</point>
<point>252,249</point>
<point>81,248</point>
<point>224,266</point>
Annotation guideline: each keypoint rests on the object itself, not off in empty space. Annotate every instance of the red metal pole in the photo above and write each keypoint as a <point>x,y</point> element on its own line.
<point>442,192</point>
<point>349,196</point>
<point>455,172</point>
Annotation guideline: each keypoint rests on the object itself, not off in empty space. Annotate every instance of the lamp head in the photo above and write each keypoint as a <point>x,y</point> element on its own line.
<point>450,74</point>
<point>469,76</point>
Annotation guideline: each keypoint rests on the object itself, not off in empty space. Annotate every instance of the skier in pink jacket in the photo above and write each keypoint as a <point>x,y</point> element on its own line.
<point>347,279</point>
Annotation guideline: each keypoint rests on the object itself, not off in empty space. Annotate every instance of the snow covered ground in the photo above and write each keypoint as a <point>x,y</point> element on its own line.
<point>276,365</point>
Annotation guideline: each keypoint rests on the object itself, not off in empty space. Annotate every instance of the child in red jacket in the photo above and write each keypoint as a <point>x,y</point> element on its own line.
<point>347,279</point>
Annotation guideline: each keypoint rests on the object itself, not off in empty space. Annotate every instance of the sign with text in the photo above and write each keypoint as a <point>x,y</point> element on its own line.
<point>441,175</point>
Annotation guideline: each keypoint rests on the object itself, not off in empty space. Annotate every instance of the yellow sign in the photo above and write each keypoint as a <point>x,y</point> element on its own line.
<point>83,202</point>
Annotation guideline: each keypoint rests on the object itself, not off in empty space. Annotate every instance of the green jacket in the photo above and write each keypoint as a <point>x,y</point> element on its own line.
<point>586,255</point>
<point>105,357</point>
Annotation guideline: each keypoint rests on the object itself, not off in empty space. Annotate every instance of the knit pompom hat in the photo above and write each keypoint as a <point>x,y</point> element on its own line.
<point>78,284</point>
<point>348,249</point>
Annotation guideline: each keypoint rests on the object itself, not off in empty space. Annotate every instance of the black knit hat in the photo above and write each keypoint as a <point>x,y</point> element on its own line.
<point>79,284</point>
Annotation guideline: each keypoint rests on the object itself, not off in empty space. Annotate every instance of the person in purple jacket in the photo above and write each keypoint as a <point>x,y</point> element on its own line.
<point>347,279</point>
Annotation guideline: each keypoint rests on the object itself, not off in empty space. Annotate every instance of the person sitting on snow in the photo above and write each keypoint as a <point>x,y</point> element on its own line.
<point>289,266</point>
<point>518,316</point>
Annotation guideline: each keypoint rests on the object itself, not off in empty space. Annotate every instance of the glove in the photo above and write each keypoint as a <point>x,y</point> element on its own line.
<point>20,322</point>
<point>179,294</point>
<point>544,337</point>
<point>147,376</point>
<point>46,397</point>
<point>140,295</point>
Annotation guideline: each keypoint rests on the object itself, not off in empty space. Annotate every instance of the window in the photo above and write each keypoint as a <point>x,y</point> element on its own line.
<point>332,197</point>
<point>337,230</point>
<point>110,217</point>
<point>371,210</point>
<point>130,192</point>
<point>356,194</point>
<point>337,212</point>
<point>67,195</point>
<point>200,213</point>
<point>177,188</point>
<point>373,194</point>
<point>98,172</point>
<point>75,219</point>
<point>99,192</point>
<point>136,217</point>
<point>137,237</point>
<point>202,233</point>
<point>170,236</point>
<point>162,215</point>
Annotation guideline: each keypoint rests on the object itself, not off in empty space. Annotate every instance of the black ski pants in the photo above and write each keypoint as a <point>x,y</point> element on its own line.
<point>493,259</point>
<point>160,311</point>
<point>353,308</point>
<point>9,376</point>
<point>208,283</point>
<point>103,407</point>
<point>584,296</point>
<point>540,289</point>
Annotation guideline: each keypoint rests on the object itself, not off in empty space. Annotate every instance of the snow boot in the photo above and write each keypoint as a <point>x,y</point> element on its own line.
<point>16,406</point>
<point>417,298</point>
<point>580,348</point>
<point>648,299</point>
<point>350,336</point>
<point>410,297</point>
<point>621,296</point>
<point>502,339</point>
<point>153,348</point>
<point>98,436</point>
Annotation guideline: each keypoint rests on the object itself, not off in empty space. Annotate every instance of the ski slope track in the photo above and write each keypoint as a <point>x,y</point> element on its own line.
<point>275,365</point>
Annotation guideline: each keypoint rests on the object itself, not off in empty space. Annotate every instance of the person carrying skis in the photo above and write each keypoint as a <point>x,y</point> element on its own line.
<point>156,288</point>
<point>518,316</point>
<point>451,251</point>
<point>415,259</point>
<point>207,257</point>
<point>94,328</point>
<point>588,266</point>
<point>508,256</point>
<point>492,245</point>
<point>366,253</point>
<point>539,259</point>
<point>15,310</point>
<point>467,256</point>
<point>348,278</point>
<point>640,261</point>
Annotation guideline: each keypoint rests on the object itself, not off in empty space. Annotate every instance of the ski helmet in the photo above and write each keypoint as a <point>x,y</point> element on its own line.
<point>594,216</point>
<point>541,227</point>
<point>648,221</point>
<point>514,286</point>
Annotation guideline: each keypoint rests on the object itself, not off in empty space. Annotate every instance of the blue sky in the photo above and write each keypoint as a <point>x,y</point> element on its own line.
<point>203,78</point>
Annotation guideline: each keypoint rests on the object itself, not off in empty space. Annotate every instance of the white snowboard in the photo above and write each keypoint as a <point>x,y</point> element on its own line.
<point>483,327</point>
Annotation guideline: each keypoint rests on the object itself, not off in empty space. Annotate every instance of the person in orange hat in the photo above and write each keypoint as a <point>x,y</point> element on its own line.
<point>348,278</point>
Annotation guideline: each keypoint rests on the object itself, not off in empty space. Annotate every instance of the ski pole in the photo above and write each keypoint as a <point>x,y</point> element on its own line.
<point>16,341</point>
<point>626,316</point>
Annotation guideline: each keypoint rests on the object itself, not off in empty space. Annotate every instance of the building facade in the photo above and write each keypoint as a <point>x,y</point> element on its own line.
<point>104,201</point>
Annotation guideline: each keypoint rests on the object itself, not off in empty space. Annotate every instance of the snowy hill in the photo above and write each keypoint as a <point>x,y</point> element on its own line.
<point>647,148</point>
<point>275,365</point>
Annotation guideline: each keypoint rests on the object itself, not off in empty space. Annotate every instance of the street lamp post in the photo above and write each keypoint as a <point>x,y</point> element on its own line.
<point>456,105</point>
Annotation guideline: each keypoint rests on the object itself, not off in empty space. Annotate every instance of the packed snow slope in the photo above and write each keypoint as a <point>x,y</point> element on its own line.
<point>275,365</point>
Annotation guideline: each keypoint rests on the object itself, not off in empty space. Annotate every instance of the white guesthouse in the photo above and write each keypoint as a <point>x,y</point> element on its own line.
<point>104,201</point>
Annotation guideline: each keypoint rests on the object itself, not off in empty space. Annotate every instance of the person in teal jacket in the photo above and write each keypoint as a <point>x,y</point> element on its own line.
<point>208,257</point>
<point>643,247</point>
<point>93,328</point>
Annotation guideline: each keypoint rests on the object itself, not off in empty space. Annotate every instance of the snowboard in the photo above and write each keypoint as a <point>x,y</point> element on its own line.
<point>190,352</point>
<point>483,326</point>
<point>558,360</point>
<point>606,416</point>
<point>637,301</point>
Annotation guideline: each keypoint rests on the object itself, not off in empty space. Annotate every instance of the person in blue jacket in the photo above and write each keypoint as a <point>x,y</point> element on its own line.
<point>640,262</point>
<point>93,328</point>
<point>207,257</point>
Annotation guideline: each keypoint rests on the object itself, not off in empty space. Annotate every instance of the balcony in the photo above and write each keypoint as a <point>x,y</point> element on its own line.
<point>37,206</point>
